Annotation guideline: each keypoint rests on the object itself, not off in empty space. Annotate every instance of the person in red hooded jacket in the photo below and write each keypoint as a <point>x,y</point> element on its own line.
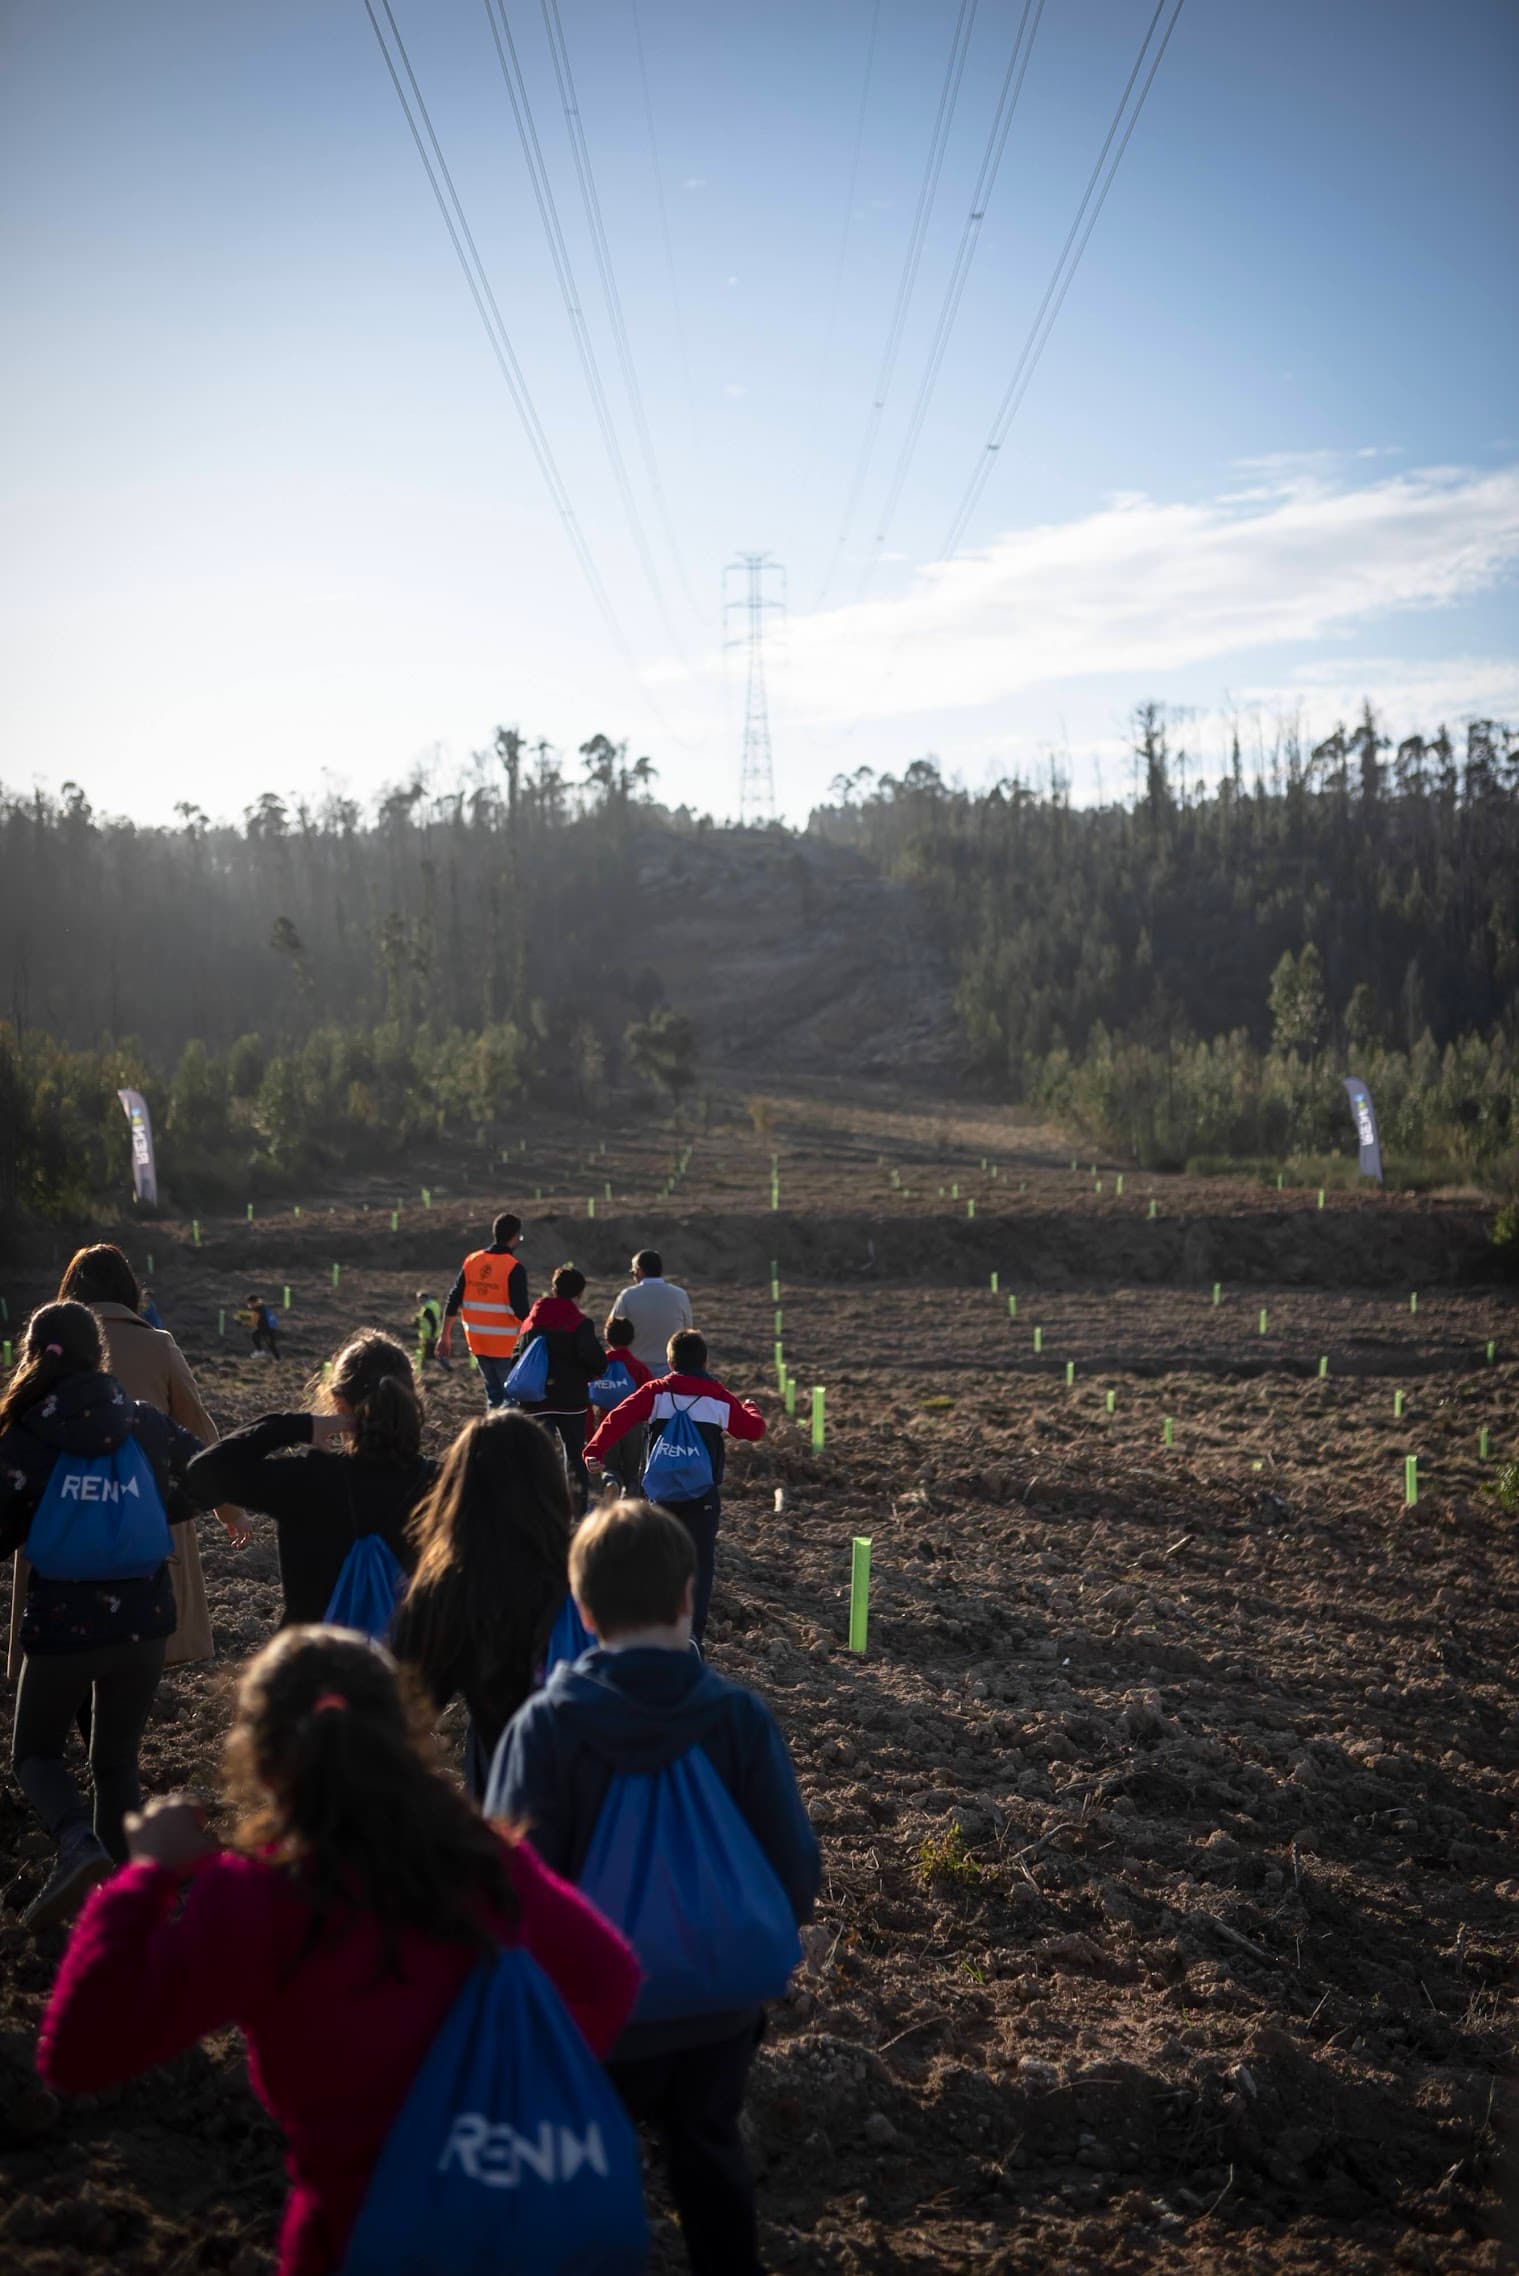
<point>576,1358</point>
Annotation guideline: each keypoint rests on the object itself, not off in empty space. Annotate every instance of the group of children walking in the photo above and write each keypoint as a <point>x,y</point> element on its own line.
<point>622,1879</point>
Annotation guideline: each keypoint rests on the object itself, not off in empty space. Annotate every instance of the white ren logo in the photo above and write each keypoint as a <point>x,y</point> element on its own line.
<point>496,2154</point>
<point>77,1488</point>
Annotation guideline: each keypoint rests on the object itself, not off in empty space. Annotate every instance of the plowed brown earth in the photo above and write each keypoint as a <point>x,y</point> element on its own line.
<point>1170,1908</point>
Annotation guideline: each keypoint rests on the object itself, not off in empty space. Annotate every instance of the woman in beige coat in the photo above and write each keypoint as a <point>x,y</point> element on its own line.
<point>149,1365</point>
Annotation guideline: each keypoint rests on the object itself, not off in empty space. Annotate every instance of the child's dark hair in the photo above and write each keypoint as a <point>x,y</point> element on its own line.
<point>505,1228</point>
<point>100,1275</point>
<point>569,1281</point>
<point>618,1332</point>
<point>630,1566</point>
<point>687,1352</point>
<point>493,1541</point>
<point>58,1340</point>
<point>330,1763</point>
<point>372,1376</point>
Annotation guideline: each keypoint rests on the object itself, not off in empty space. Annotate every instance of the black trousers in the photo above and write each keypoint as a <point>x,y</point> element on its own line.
<point>120,1681</point>
<point>701,1519</point>
<point>571,1434</point>
<point>694,2097</point>
<point>265,1339</point>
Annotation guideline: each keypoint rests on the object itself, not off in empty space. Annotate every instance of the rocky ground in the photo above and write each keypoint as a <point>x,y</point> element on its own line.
<point>1169,1918</point>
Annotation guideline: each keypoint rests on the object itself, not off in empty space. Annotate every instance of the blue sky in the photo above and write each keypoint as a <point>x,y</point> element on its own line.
<point>272,522</point>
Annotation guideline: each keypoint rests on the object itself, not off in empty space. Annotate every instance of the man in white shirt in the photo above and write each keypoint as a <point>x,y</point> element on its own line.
<point>657,1309</point>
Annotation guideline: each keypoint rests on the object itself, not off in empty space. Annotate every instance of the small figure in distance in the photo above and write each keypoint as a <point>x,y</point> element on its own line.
<point>640,1732</point>
<point>264,1321</point>
<point>624,1461</point>
<point>359,1895</point>
<point>491,1292</point>
<point>429,1327</point>
<point>148,1308</point>
<point>688,1390</point>
<point>657,1308</point>
<point>575,1360</point>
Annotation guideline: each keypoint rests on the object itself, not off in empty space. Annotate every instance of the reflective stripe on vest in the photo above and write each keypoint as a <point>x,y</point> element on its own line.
<point>491,1327</point>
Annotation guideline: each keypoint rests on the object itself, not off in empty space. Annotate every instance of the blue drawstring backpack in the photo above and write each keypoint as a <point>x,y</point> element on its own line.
<point>370,1586</point>
<point>674,1865</point>
<point>568,1638</point>
<point>679,1468</point>
<point>529,1379</point>
<point>611,1389</point>
<point>511,2155</point>
<point>101,1518</point>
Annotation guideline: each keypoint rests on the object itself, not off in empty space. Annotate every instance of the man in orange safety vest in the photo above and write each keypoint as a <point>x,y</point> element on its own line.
<point>491,1292</point>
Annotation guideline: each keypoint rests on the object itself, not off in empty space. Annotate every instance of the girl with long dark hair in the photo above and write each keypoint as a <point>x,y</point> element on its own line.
<point>492,1544</point>
<point>350,1464</point>
<point>91,1637</point>
<point>336,1931</point>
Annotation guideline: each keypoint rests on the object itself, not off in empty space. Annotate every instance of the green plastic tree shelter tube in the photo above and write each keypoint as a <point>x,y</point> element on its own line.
<point>859,1592</point>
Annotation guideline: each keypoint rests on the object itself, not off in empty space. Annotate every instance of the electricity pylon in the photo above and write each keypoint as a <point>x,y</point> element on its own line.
<point>756,781</point>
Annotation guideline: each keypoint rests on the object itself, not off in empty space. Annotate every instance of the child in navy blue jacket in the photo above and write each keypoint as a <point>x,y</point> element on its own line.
<point>639,1702</point>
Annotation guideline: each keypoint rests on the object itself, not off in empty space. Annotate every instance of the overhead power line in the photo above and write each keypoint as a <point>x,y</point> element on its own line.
<point>954,291</point>
<point>664,211</point>
<point>601,247</point>
<point>854,178</point>
<point>1087,213</point>
<point>954,72</point>
<point>462,239</point>
<point>548,214</point>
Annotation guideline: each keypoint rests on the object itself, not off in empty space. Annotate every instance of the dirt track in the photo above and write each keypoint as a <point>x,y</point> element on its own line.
<point>1169,1921</point>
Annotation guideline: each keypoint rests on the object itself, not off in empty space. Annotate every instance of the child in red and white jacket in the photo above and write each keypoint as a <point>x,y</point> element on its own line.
<point>336,1936</point>
<point>687,1389</point>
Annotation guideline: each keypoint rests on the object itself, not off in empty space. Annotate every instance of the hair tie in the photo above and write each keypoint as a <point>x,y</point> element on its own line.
<point>53,1351</point>
<point>328,1702</point>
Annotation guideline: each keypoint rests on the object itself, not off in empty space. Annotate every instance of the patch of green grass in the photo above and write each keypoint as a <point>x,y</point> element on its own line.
<point>944,1858</point>
<point>1505,1488</point>
<point>936,1406</point>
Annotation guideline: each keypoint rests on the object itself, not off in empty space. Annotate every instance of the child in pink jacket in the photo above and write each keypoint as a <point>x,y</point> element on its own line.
<point>336,1935</point>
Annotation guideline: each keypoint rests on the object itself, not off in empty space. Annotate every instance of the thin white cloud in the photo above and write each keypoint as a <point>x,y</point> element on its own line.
<point>1408,695</point>
<point>735,390</point>
<point>1146,588</point>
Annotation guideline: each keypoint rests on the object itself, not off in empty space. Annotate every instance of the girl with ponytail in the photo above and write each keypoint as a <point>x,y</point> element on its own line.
<point>357,1891</point>
<point>349,1463</point>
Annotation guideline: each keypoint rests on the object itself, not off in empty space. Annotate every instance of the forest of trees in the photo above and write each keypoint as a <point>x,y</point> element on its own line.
<point>1190,974</point>
<point>322,986</point>
<point>1186,974</point>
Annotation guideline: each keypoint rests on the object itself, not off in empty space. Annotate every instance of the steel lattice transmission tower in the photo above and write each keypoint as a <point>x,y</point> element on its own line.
<point>756,782</point>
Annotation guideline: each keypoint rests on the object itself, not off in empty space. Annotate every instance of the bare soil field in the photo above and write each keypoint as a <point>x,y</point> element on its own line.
<point>1170,1903</point>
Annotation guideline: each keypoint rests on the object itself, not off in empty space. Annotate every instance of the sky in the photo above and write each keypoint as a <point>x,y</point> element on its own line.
<point>272,520</point>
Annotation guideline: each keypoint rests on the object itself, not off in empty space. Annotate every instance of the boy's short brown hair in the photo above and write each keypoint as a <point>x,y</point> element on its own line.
<point>687,1352</point>
<point>630,1566</point>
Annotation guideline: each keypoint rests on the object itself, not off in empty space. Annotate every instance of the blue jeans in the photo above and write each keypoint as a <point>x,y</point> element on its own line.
<point>493,1374</point>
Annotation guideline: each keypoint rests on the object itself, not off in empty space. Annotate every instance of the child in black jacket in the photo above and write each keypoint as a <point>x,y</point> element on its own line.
<point>640,1702</point>
<point>85,1640</point>
<point>575,1358</point>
